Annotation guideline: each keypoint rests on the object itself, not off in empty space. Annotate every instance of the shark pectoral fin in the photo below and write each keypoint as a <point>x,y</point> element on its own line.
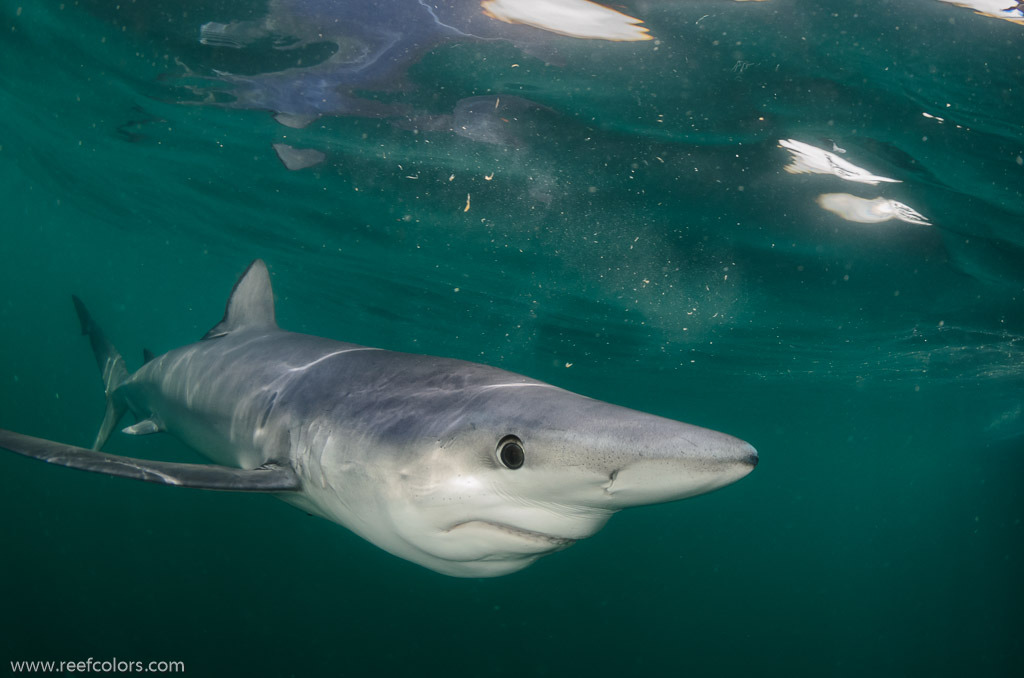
<point>269,478</point>
<point>144,427</point>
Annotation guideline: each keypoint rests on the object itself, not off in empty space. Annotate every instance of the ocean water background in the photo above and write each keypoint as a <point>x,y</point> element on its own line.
<point>633,237</point>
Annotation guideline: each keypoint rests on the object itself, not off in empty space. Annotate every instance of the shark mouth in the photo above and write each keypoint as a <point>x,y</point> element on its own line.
<point>558,543</point>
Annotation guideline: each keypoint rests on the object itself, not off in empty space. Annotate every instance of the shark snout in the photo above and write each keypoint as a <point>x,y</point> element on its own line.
<point>699,464</point>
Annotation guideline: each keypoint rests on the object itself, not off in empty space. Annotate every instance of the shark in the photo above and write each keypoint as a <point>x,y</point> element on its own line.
<point>463,468</point>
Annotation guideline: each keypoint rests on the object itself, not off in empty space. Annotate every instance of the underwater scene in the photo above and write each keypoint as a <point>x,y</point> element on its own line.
<point>721,226</point>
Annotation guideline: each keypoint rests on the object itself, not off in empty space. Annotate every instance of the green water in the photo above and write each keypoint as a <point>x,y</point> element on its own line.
<point>636,241</point>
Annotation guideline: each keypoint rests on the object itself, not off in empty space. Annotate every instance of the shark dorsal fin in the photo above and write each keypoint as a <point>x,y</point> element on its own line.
<point>251,304</point>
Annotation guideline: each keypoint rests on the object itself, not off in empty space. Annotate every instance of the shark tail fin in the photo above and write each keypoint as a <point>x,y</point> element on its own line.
<point>251,304</point>
<point>112,369</point>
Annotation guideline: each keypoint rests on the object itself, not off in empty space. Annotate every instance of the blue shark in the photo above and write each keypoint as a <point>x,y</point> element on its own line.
<point>463,468</point>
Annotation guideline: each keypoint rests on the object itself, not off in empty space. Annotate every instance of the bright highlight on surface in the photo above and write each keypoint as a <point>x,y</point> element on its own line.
<point>575,18</point>
<point>1010,10</point>
<point>809,159</point>
<point>864,211</point>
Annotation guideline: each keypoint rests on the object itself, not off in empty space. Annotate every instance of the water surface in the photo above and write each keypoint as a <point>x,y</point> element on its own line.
<point>620,223</point>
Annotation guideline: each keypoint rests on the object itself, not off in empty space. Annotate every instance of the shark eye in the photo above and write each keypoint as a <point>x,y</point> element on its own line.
<point>510,452</point>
